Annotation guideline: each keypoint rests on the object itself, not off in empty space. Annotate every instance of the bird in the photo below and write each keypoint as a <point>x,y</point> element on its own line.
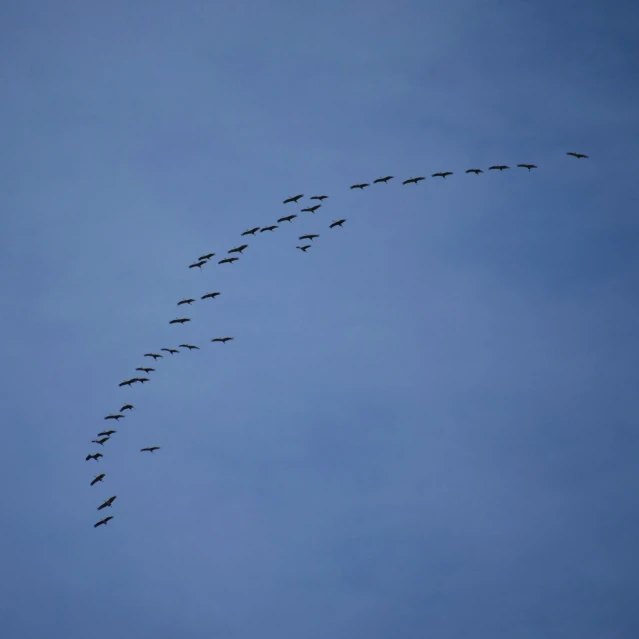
<point>127,407</point>
<point>311,209</point>
<point>153,355</point>
<point>107,503</point>
<point>188,300</point>
<point>295,198</point>
<point>304,248</point>
<point>104,521</point>
<point>527,166</point>
<point>287,218</point>
<point>442,174</point>
<point>228,260</point>
<point>149,448</point>
<point>384,180</point>
<point>116,417</point>
<point>338,223</point>
<point>107,433</point>
<point>269,228</point>
<point>361,186</point>
<point>413,180</point>
<point>140,379</point>
<point>498,167</point>
<point>576,155</point>
<point>239,249</point>
<point>100,441</point>
<point>199,264</point>
<point>180,320</point>
<point>126,382</point>
<point>206,257</point>
<point>310,236</point>
<point>170,350</point>
<point>251,231</point>
<point>95,456</point>
<point>211,295</point>
<point>475,171</point>
<point>222,339</point>
<point>189,346</point>
<point>145,370</point>
<point>319,197</point>
<point>98,478</point>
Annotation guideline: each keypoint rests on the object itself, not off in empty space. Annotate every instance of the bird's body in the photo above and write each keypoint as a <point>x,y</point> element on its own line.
<point>310,236</point>
<point>252,231</point>
<point>269,228</point>
<point>576,155</point>
<point>95,456</point>
<point>189,346</point>
<point>475,171</point>
<point>413,180</point>
<point>98,478</point>
<point>319,197</point>
<point>240,249</point>
<point>199,264</point>
<point>228,260</point>
<point>180,320</point>
<point>222,339</point>
<point>188,301</point>
<point>103,522</point>
<point>150,449</point>
<point>295,198</point>
<point>304,248</point>
<point>337,223</point>
<point>498,167</point>
<point>361,186</point>
<point>153,355</point>
<point>211,296</point>
<point>442,174</point>
<point>527,166</point>
<point>287,218</point>
<point>127,407</point>
<point>383,180</point>
<point>311,209</point>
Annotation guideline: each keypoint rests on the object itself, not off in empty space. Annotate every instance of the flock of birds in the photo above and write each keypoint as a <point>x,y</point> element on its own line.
<point>105,435</point>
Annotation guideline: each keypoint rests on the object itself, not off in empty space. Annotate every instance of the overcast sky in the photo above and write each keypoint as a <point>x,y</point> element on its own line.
<point>424,426</point>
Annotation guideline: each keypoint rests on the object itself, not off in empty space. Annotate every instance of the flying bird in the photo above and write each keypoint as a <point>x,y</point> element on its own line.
<point>222,339</point>
<point>180,320</point>
<point>127,407</point>
<point>149,448</point>
<point>576,155</point>
<point>384,180</point>
<point>104,521</point>
<point>100,441</point>
<point>107,433</point>
<point>295,198</point>
<point>95,456</point>
<point>153,355</point>
<point>116,417</point>
<point>338,223</point>
<point>170,350</point>
<point>304,248</point>
<point>228,260</point>
<point>206,257</point>
<point>126,382</point>
<point>311,209</point>
<point>527,166</point>
<point>269,228</point>
<point>189,346</point>
<point>140,379</point>
<point>251,231</point>
<point>310,236</point>
<point>413,180</point>
<point>107,503</point>
<point>145,370</point>
<point>98,478</point>
<point>442,174</point>
<point>361,186</point>
<point>239,249</point>
<point>319,197</point>
<point>287,218</point>
<point>210,295</point>
<point>188,300</point>
<point>498,167</point>
<point>199,264</point>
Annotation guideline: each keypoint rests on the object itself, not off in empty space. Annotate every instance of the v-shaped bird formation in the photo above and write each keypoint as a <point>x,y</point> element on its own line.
<point>104,436</point>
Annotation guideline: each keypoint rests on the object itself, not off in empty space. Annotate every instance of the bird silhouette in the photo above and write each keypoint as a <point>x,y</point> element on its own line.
<point>188,300</point>
<point>304,248</point>
<point>442,174</point>
<point>269,228</point>
<point>116,417</point>
<point>413,180</point>
<point>153,355</point>
<point>100,441</point>
<point>475,171</point>
<point>150,449</point>
<point>311,209</point>
<point>498,167</point>
<point>310,236</point>
<point>576,155</point>
<point>527,166</point>
<point>222,339</point>
<point>95,456</point>
<point>383,180</point>
<point>98,478</point>
<point>295,198</point>
<point>103,522</point>
<point>127,407</point>
<point>287,218</point>
<point>199,264</point>
<point>145,370</point>
<point>170,350</point>
<point>338,223</point>
<point>204,258</point>
<point>190,347</point>
<point>180,320</point>
<point>319,197</point>
<point>252,231</point>
<point>228,260</point>
<point>107,433</point>
<point>361,186</point>
<point>211,296</point>
<point>107,503</point>
<point>126,382</point>
<point>240,249</point>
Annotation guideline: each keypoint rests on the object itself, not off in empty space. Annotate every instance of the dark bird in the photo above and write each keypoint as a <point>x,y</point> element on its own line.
<point>116,417</point>
<point>319,197</point>
<point>149,448</point>
<point>222,339</point>
<point>127,407</point>
<point>576,155</point>
<point>170,350</point>
<point>126,382</point>
<point>498,167</point>
<point>239,249</point>
<point>269,228</point>
<point>104,521</point>
<point>145,370</point>
<point>107,433</point>
<point>304,248</point>
<point>228,260</point>
<point>310,236</point>
<point>107,503</point>
<point>189,346</point>
<point>442,174</point>
<point>361,186</point>
<point>95,456</point>
<point>211,296</point>
<point>251,231</point>
<point>413,180</point>
<point>527,166</point>
<point>338,223</point>
<point>98,478</point>
<point>311,209</point>
<point>475,171</point>
<point>140,379</point>
<point>180,320</point>
<point>296,198</point>
<point>188,300</point>
<point>199,264</point>
<point>384,180</point>
<point>100,441</point>
<point>204,258</point>
<point>287,218</point>
<point>153,355</point>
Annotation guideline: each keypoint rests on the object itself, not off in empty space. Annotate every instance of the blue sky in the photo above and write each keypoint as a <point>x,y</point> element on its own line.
<point>424,425</point>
